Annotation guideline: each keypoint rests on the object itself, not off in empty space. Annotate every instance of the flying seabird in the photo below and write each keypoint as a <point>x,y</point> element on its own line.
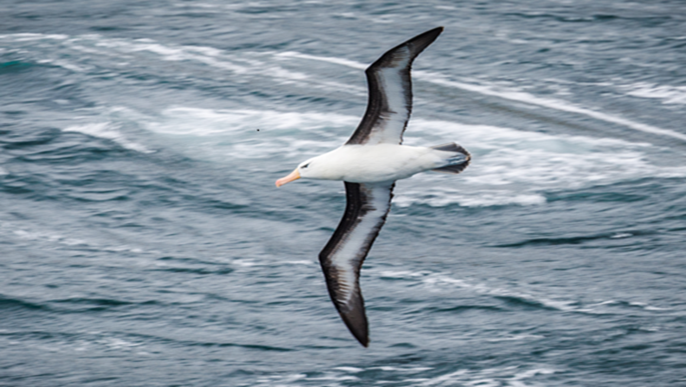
<point>369,164</point>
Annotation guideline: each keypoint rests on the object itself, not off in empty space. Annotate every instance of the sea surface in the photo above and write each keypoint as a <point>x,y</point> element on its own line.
<point>143,243</point>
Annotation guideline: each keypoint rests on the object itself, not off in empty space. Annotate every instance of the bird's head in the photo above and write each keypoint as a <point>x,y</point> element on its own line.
<point>307,169</point>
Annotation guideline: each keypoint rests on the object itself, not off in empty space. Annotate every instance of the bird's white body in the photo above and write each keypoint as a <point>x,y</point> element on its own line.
<point>373,163</point>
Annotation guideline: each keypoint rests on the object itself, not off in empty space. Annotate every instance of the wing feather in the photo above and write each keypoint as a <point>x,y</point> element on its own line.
<point>389,102</point>
<point>341,259</point>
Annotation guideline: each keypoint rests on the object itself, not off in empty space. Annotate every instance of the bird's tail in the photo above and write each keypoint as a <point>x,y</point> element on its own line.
<point>456,161</point>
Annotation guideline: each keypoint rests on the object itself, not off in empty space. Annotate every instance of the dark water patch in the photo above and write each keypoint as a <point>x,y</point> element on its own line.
<point>40,187</point>
<point>203,344</point>
<point>38,335</point>
<point>106,28</point>
<point>257,347</point>
<point>623,193</point>
<point>193,261</point>
<point>403,346</point>
<point>618,236</point>
<point>68,150</point>
<point>523,302</point>
<point>216,204</point>
<point>100,304</point>
<point>459,309</point>
<point>22,139</point>
<point>77,154</point>
<point>199,271</point>
<point>93,301</point>
<point>15,114</point>
<point>20,185</point>
<point>10,304</point>
<point>102,196</point>
<point>14,66</point>
<point>201,15</point>
<point>98,379</point>
<point>86,305</point>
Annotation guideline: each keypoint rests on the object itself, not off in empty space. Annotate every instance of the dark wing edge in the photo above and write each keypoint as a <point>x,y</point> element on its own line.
<point>341,259</point>
<point>389,102</point>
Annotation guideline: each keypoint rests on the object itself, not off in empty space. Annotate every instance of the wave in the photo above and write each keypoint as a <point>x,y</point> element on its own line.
<point>514,95</point>
<point>414,376</point>
<point>510,298</point>
<point>669,95</point>
<point>516,167</point>
<point>576,240</point>
<point>510,167</point>
<point>67,305</point>
<point>266,64</point>
<point>227,136</point>
<point>54,237</point>
<point>199,271</point>
<point>555,104</point>
<point>529,300</point>
<point>107,131</point>
<point>95,53</point>
<point>10,304</point>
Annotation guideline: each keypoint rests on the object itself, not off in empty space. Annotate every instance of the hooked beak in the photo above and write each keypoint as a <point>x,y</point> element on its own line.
<point>295,175</point>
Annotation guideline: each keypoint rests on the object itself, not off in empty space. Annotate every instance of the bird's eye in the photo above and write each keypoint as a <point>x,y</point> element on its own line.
<point>305,166</point>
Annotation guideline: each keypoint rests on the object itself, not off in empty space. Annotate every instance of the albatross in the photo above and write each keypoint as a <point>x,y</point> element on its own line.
<point>369,163</point>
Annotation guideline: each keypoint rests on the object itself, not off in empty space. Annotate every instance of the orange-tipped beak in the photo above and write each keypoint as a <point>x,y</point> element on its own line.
<point>295,175</point>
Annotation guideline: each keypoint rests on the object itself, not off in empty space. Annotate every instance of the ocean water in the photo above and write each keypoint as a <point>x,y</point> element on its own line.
<point>143,243</point>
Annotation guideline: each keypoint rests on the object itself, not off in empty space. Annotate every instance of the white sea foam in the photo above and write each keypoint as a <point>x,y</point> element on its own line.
<point>548,103</point>
<point>607,306</point>
<point>23,37</point>
<point>622,235</point>
<point>301,262</point>
<point>509,167</point>
<point>56,238</point>
<point>448,378</point>
<point>438,281</point>
<point>117,344</point>
<point>515,338</point>
<point>208,122</point>
<point>350,369</point>
<point>340,61</point>
<point>516,381</point>
<point>516,167</point>
<point>248,63</point>
<point>402,369</point>
<point>227,135</point>
<point>668,94</point>
<point>107,131</point>
<point>489,377</point>
<point>63,64</point>
<point>35,236</point>
<point>254,64</point>
<point>676,94</point>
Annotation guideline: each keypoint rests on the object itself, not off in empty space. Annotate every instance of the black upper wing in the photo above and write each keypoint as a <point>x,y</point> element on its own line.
<point>341,259</point>
<point>390,93</point>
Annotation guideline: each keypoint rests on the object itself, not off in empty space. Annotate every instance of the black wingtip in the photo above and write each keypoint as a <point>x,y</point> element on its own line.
<point>415,45</point>
<point>422,41</point>
<point>355,319</point>
<point>434,31</point>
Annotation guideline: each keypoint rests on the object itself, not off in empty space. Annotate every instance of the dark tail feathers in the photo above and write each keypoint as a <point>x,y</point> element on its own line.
<point>456,164</point>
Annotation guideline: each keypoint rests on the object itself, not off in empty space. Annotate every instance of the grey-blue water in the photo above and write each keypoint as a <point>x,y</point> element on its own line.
<point>143,243</point>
